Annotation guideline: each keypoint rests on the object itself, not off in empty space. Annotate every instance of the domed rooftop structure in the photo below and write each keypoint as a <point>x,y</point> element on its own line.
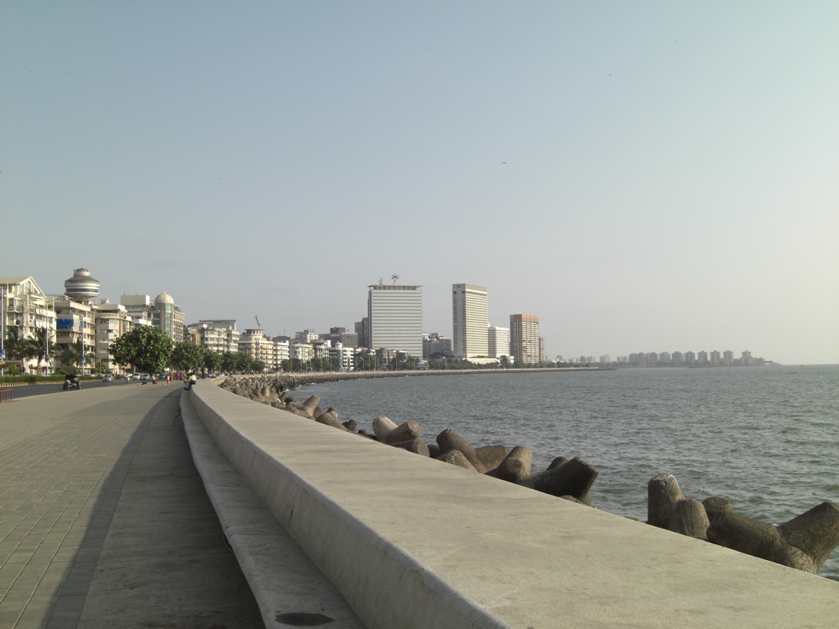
<point>163,298</point>
<point>81,287</point>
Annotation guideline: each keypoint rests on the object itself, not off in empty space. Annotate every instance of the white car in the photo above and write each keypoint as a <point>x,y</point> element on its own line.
<point>135,376</point>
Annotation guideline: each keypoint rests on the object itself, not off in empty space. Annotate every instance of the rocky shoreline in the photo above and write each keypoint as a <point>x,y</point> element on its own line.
<point>804,543</point>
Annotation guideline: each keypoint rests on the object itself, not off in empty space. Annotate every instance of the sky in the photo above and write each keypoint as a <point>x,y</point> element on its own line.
<point>642,176</point>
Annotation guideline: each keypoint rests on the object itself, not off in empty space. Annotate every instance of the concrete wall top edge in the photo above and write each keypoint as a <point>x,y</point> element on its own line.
<point>523,557</point>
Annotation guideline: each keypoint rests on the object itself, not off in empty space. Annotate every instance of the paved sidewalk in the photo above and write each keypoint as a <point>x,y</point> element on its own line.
<point>104,521</point>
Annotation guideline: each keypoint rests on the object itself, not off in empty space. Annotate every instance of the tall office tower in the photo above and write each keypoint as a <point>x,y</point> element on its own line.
<point>524,338</point>
<point>394,312</point>
<point>499,342</point>
<point>470,319</point>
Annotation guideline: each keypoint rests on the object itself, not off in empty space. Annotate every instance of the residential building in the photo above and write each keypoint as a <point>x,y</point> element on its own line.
<point>282,350</point>
<point>525,345</point>
<point>498,341</point>
<point>345,356</point>
<point>605,359</point>
<point>75,318</point>
<point>217,335</point>
<point>27,310</point>
<point>112,321</point>
<point>746,359</point>
<point>394,312</point>
<point>728,358</point>
<point>254,344</point>
<point>470,321</point>
<point>138,307</point>
<point>716,359</point>
<point>301,350</point>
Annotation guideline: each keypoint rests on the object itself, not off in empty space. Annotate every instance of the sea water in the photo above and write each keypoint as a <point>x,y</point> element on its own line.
<point>764,438</point>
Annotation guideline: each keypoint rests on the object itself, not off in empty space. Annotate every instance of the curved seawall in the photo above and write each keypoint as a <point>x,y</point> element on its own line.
<point>413,542</point>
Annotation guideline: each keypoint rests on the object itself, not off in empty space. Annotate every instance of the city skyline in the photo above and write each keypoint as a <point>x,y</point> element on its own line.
<point>637,175</point>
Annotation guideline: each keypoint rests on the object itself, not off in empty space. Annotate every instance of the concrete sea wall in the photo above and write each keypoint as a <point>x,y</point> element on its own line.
<point>416,543</point>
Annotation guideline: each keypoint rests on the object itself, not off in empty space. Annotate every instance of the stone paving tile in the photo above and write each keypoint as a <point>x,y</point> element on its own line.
<point>73,465</point>
<point>56,457</point>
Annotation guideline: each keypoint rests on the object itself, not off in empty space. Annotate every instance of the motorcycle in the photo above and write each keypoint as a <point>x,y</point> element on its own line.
<point>72,383</point>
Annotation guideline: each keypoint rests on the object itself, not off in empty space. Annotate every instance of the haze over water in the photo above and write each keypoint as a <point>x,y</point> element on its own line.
<point>767,439</point>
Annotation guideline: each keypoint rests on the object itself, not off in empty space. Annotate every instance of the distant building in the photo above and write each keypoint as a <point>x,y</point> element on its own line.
<point>167,317</point>
<point>27,309</point>
<point>498,341</point>
<point>525,345</point>
<point>254,344</point>
<point>394,312</point>
<point>75,318</point>
<point>362,329</point>
<point>112,321</point>
<point>470,321</point>
<point>728,358</point>
<point>217,335</point>
<point>138,307</point>
<point>435,345</point>
<point>716,359</point>
<point>605,359</point>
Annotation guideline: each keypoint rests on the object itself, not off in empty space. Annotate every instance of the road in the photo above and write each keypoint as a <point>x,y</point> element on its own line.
<point>41,389</point>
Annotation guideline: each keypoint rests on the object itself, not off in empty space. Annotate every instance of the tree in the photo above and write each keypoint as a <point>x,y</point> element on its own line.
<point>145,348</point>
<point>187,356</point>
<point>236,361</point>
<point>212,360</point>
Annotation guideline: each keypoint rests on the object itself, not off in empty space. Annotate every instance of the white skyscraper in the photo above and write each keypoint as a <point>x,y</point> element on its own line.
<point>499,341</point>
<point>470,321</point>
<point>395,317</point>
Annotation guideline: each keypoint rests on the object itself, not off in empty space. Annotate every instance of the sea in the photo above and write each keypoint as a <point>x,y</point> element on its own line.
<point>764,438</point>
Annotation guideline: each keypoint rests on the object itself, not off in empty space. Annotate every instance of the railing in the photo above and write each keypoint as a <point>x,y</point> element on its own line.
<point>7,395</point>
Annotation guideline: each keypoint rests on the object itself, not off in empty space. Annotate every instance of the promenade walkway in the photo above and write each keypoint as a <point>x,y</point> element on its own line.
<point>104,521</point>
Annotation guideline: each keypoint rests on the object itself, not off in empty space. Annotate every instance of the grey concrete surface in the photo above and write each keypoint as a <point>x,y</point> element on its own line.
<point>415,543</point>
<point>289,588</point>
<point>103,518</point>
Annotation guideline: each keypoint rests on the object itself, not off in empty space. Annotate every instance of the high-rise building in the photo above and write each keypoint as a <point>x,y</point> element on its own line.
<point>394,312</point>
<point>470,321</point>
<point>167,316</point>
<point>525,345</point>
<point>498,344</point>
<point>362,329</point>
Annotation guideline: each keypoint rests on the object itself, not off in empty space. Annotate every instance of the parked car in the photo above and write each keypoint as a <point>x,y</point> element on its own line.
<point>107,378</point>
<point>144,377</point>
<point>135,376</point>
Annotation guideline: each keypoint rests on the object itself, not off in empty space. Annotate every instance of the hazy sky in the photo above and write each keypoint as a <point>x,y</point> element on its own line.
<point>643,176</point>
